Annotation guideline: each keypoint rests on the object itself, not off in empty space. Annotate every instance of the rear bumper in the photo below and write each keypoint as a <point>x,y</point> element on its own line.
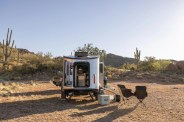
<point>81,90</point>
<point>78,88</point>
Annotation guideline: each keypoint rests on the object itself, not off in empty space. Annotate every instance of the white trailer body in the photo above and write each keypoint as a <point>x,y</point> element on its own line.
<point>82,73</point>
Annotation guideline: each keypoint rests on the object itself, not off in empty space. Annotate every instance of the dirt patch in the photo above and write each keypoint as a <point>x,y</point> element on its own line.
<point>41,102</point>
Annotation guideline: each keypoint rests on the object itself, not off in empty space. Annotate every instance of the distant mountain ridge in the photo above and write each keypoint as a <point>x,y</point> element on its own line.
<point>21,50</point>
<point>116,60</point>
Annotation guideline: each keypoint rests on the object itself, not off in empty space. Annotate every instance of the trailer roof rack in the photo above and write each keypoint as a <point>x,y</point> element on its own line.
<point>81,54</point>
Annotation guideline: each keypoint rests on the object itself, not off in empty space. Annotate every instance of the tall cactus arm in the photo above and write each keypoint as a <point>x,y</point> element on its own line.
<point>3,47</point>
<point>139,54</point>
<point>10,38</point>
<point>7,36</point>
<point>11,49</point>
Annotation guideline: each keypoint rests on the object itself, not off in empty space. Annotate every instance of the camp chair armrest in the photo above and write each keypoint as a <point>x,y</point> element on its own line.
<point>129,89</point>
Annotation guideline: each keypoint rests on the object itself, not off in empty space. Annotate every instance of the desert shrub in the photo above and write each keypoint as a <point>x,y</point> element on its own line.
<point>151,64</point>
<point>1,56</point>
<point>27,69</point>
<point>180,66</point>
<point>164,64</point>
<point>128,66</point>
<point>41,68</point>
<point>113,73</point>
<point>177,67</point>
<point>116,77</point>
<point>22,70</point>
<point>57,65</point>
<point>40,63</point>
<point>33,64</point>
<point>43,62</point>
<point>33,82</point>
<point>109,76</point>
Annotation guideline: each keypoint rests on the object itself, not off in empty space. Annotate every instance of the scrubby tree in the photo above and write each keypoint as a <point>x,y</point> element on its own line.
<point>92,50</point>
<point>151,64</point>
<point>128,66</point>
<point>150,58</point>
<point>48,55</point>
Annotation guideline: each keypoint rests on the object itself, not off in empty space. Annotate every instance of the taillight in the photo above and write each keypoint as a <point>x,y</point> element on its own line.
<point>94,78</point>
<point>70,69</point>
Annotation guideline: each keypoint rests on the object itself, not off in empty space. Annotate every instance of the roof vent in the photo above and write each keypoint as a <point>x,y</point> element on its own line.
<point>81,54</point>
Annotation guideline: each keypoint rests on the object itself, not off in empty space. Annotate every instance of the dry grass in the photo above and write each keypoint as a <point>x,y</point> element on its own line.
<point>41,102</point>
<point>7,88</point>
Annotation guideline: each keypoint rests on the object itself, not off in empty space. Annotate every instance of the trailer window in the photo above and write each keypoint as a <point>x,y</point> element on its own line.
<point>67,69</point>
<point>71,68</point>
<point>101,68</point>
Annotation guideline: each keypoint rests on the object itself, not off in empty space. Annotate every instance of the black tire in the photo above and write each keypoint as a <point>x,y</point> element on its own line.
<point>96,95</point>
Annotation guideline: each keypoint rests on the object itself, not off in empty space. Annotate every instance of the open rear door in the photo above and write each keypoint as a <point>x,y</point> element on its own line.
<point>101,74</point>
<point>68,73</point>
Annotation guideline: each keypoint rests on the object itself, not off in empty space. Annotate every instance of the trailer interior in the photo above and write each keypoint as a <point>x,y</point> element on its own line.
<point>81,74</point>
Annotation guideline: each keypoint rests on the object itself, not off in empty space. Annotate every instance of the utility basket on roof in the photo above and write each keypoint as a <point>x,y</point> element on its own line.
<point>81,54</point>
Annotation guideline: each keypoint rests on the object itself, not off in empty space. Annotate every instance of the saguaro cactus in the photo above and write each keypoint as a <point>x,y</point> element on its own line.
<point>7,50</point>
<point>18,54</point>
<point>137,55</point>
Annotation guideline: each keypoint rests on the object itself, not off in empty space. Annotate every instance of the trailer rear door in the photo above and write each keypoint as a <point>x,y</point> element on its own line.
<point>68,73</point>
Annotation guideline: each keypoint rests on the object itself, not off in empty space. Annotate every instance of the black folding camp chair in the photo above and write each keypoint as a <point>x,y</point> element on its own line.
<point>140,93</point>
<point>126,93</point>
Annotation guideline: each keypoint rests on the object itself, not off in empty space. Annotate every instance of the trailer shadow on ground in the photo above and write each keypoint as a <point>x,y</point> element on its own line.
<point>11,110</point>
<point>147,81</point>
<point>17,109</point>
<point>48,92</point>
<point>115,111</point>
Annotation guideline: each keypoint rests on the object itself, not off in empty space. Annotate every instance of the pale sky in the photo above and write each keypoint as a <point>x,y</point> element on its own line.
<point>156,27</point>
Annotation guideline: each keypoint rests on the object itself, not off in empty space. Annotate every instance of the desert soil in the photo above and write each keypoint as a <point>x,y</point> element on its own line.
<point>41,102</point>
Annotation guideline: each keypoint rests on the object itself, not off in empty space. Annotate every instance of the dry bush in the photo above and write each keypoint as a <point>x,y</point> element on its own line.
<point>7,88</point>
<point>33,82</point>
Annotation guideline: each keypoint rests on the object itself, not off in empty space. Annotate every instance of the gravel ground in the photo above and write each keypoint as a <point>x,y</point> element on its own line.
<point>41,102</point>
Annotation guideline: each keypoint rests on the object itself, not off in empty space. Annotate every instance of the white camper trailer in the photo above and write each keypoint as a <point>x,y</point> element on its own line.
<point>82,74</point>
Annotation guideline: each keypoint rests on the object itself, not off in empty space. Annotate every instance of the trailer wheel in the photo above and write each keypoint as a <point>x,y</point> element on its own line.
<point>96,95</point>
<point>66,94</point>
<point>63,94</point>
